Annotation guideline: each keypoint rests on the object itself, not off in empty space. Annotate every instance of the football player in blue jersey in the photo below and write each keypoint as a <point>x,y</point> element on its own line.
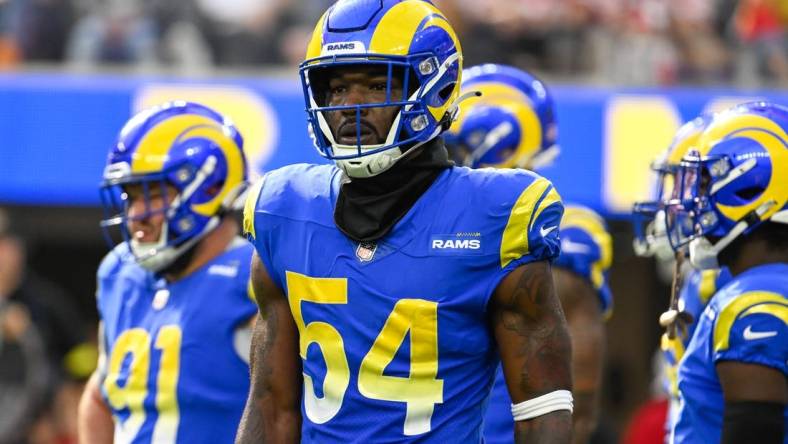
<point>729,206</point>
<point>513,125</point>
<point>392,281</point>
<point>696,286</point>
<point>174,295</point>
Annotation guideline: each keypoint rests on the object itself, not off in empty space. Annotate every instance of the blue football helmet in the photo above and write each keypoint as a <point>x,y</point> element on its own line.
<point>511,125</point>
<point>733,182</point>
<point>182,146</point>
<point>407,38</point>
<point>648,217</point>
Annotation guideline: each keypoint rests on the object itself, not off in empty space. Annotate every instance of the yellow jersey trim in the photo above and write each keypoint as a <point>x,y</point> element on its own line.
<point>745,305</point>
<point>514,243</point>
<point>249,207</point>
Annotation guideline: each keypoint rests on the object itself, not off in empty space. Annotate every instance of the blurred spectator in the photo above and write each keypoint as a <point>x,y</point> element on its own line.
<point>624,42</point>
<point>298,20</point>
<point>533,34</point>
<point>9,48</point>
<point>44,355</point>
<point>181,41</point>
<point>760,26</point>
<point>23,373</point>
<point>42,29</point>
<point>703,57</point>
<point>242,32</point>
<point>116,31</point>
<point>24,370</point>
<point>50,309</point>
<point>33,30</point>
<point>642,53</point>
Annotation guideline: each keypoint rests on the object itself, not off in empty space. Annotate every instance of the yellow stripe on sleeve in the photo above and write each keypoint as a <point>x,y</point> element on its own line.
<point>249,207</point>
<point>551,198</point>
<point>676,348</point>
<point>708,285</point>
<point>514,243</point>
<point>250,290</point>
<point>745,305</point>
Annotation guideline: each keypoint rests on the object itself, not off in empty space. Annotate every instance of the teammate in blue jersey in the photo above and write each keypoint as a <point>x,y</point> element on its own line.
<point>697,286</point>
<point>174,295</point>
<point>392,281</point>
<point>513,125</point>
<point>729,206</point>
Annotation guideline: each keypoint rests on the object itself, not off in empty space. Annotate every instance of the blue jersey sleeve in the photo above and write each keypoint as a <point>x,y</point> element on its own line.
<point>256,234</point>
<point>532,230</point>
<point>108,273</point>
<point>753,328</point>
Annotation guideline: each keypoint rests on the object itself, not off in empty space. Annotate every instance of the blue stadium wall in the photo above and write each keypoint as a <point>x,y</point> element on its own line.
<point>57,129</point>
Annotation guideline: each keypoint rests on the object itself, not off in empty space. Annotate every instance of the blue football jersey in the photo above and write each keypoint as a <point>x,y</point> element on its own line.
<point>394,334</point>
<point>695,293</point>
<point>170,370</point>
<point>746,321</point>
<point>587,250</point>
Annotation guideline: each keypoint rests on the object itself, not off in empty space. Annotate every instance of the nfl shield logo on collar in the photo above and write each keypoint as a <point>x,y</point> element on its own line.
<point>366,251</point>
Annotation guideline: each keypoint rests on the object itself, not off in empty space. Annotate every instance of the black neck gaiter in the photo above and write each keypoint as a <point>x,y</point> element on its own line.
<point>367,209</point>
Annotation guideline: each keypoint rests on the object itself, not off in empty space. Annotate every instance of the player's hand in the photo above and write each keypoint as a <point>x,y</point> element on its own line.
<point>14,321</point>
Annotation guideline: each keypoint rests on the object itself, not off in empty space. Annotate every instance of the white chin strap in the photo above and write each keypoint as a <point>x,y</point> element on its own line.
<point>492,138</point>
<point>703,254</point>
<point>542,159</point>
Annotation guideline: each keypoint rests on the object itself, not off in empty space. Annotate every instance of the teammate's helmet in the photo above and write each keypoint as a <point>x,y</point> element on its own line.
<point>408,38</point>
<point>735,181</point>
<point>512,124</point>
<point>182,145</point>
<point>649,216</point>
<point>587,249</point>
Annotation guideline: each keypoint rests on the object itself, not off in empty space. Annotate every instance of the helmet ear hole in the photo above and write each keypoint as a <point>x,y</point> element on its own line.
<point>749,193</point>
<point>213,190</point>
<point>445,93</point>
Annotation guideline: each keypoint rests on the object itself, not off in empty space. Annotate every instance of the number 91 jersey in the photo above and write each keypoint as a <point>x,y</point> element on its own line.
<point>176,367</point>
<point>394,334</point>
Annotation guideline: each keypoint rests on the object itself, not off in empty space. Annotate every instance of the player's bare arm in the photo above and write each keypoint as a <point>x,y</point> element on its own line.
<point>755,397</point>
<point>535,348</point>
<point>587,330</point>
<point>94,420</point>
<point>273,410</point>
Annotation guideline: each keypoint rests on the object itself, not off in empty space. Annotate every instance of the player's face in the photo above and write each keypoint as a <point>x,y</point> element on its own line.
<point>359,86</point>
<point>146,215</point>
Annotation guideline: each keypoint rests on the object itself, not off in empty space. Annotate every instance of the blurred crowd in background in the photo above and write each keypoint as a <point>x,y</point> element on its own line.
<point>620,42</point>
<point>47,350</point>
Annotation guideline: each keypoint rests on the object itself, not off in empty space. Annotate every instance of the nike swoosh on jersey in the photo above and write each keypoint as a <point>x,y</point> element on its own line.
<point>753,335</point>
<point>568,246</point>
<point>545,231</point>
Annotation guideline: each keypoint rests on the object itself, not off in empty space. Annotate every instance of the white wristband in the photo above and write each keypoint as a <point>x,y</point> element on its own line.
<point>542,405</point>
